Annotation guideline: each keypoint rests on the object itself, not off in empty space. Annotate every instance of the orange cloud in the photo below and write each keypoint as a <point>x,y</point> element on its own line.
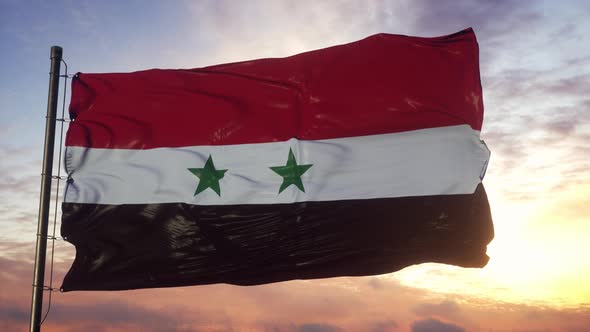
<point>372,304</point>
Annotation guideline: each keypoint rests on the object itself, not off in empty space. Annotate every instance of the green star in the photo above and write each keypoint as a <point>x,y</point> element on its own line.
<point>291,172</point>
<point>208,177</point>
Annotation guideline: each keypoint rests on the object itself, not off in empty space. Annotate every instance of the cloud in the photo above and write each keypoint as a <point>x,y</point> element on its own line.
<point>118,313</point>
<point>296,306</point>
<point>15,251</point>
<point>12,270</point>
<point>534,155</point>
<point>431,15</point>
<point>77,312</point>
<point>383,326</point>
<point>14,314</point>
<point>315,327</point>
<point>375,283</point>
<point>296,26</point>
<point>433,325</point>
<point>445,309</point>
<point>101,316</point>
<point>578,61</point>
<point>539,88</point>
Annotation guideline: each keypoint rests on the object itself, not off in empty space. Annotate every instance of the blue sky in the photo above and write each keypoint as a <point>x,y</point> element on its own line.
<point>535,68</point>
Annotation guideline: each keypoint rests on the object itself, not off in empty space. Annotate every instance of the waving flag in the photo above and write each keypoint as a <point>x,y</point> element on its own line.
<point>357,159</point>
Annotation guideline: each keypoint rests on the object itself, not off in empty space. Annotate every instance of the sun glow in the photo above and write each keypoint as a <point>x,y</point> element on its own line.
<point>539,255</point>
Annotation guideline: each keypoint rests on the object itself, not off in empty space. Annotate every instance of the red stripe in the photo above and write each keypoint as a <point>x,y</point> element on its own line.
<point>381,84</point>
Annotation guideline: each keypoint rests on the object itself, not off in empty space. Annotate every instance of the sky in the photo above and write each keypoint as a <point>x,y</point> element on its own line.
<point>535,72</point>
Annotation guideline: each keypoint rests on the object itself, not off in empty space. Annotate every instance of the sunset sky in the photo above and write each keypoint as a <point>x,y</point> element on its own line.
<point>535,72</point>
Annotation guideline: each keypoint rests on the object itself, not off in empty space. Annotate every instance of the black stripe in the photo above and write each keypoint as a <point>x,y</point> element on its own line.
<point>173,244</point>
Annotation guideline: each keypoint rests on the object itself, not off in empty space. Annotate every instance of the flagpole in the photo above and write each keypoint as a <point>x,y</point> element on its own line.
<point>45,196</point>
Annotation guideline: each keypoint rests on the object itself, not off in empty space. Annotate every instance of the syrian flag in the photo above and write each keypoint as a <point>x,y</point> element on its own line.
<point>353,160</point>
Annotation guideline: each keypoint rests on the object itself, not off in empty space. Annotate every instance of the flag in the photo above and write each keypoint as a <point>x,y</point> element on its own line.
<point>357,159</point>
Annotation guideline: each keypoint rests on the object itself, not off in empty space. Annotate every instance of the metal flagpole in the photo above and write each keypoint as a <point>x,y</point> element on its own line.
<point>45,196</point>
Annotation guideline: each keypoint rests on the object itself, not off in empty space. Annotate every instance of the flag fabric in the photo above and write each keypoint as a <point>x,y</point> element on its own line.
<point>352,160</point>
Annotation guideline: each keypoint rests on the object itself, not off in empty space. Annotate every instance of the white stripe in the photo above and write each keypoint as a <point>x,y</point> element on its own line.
<point>437,161</point>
